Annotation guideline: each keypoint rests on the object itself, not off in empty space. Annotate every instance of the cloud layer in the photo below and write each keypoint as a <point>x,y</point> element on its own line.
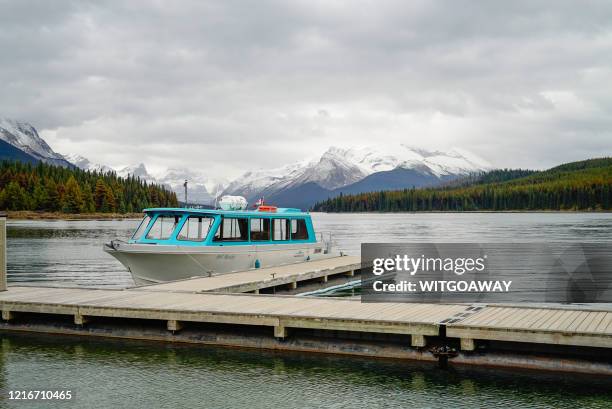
<point>228,86</point>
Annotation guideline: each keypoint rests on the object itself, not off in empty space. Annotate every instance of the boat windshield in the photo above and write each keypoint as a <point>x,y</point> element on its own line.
<point>195,228</point>
<point>141,227</point>
<point>163,226</point>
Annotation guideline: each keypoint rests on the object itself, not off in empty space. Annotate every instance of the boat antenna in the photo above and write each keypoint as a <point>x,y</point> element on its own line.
<point>185,184</point>
<point>217,195</point>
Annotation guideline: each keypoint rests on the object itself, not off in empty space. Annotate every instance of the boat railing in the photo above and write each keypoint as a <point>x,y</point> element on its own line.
<point>326,239</point>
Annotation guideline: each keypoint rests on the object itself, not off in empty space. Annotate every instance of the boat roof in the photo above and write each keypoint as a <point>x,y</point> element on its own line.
<point>255,212</point>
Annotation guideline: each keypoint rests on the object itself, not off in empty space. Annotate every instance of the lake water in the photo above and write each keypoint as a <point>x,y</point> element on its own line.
<point>70,252</point>
<point>106,373</point>
<point>113,374</point>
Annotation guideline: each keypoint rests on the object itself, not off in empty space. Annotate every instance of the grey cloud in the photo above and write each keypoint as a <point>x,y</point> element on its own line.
<point>192,82</point>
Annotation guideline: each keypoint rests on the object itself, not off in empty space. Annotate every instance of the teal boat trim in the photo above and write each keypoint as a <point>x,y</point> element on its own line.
<point>218,215</point>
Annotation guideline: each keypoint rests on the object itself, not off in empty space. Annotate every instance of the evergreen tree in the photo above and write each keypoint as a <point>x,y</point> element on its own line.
<point>51,188</point>
<point>89,205</point>
<point>39,197</point>
<point>53,196</point>
<point>73,197</point>
<point>100,195</point>
<point>110,205</point>
<point>13,197</point>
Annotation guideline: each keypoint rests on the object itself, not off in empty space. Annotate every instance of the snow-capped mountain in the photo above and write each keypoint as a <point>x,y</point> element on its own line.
<point>25,138</point>
<point>373,159</point>
<point>353,170</point>
<point>336,171</point>
<point>200,188</point>
<point>139,171</point>
<point>82,162</point>
<point>255,182</point>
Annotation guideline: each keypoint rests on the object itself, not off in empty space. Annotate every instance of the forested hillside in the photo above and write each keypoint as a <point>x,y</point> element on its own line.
<point>43,187</point>
<point>584,185</point>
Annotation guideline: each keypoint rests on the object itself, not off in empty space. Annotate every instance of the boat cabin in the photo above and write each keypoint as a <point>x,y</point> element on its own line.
<point>208,227</point>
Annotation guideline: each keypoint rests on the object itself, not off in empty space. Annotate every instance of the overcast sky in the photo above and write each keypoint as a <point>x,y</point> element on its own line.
<point>232,85</point>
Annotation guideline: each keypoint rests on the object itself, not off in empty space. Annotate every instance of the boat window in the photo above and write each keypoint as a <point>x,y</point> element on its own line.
<point>195,228</point>
<point>298,229</point>
<point>260,229</point>
<point>280,229</point>
<point>163,227</point>
<point>141,227</point>
<point>232,229</point>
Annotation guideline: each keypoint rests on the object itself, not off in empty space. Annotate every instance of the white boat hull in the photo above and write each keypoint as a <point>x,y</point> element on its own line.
<point>150,264</point>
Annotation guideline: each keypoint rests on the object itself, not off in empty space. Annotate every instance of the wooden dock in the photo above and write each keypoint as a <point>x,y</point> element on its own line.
<point>469,324</point>
<point>281,313</point>
<point>259,279</point>
<point>549,325</point>
<point>218,310</point>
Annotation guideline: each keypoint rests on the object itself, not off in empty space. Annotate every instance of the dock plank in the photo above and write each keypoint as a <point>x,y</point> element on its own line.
<point>539,325</point>
<point>599,316</point>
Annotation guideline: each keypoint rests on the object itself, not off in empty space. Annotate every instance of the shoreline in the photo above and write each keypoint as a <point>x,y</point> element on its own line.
<point>475,211</point>
<point>32,215</point>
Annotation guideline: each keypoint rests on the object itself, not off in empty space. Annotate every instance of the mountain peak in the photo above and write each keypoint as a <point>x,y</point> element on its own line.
<point>83,163</point>
<point>24,137</point>
<point>139,171</point>
<point>339,167</point>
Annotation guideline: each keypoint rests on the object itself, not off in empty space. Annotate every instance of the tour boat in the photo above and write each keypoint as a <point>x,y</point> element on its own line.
<point>178,243</point>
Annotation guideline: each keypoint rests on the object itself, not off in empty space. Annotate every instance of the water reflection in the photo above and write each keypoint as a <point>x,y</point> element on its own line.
<point>136,375</point>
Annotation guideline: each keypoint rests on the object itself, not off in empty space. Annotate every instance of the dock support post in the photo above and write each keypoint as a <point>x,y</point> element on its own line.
<point>80,319</point>
<point>467,344</point>
<point>350,273</point>
<point>7,315</point>
<point>280,331</point>
<point>293,285</point>
<point>2,251</point>
<point>256,291</point>
<point>418,340</point>
<point>174,325</point>
<point>324,279</point>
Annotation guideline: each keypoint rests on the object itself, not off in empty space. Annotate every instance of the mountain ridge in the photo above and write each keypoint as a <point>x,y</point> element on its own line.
<point>341,170</point>
<point>338,170</point>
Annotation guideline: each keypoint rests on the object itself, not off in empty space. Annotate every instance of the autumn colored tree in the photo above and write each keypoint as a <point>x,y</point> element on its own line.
<point>73,197</point>
<point>100,195</point>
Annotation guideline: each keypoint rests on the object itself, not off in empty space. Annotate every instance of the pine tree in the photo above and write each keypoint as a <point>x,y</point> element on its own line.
<point>13,197</point>
<point>109,200</point>
<point>100,196</point>
<point>73,198</point>
<point>53,196</point>
<point>89,205</point>
<point>40,197</point>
